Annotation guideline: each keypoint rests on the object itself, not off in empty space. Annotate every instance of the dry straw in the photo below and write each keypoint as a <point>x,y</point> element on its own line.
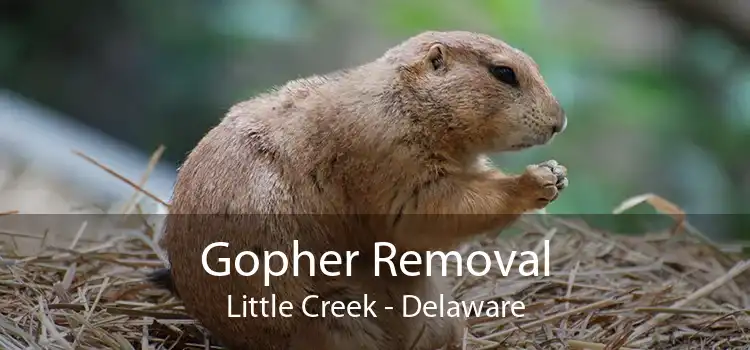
<point>662,290</point>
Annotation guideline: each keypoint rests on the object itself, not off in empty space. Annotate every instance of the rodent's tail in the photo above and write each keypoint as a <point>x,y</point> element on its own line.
<point>162,278</point>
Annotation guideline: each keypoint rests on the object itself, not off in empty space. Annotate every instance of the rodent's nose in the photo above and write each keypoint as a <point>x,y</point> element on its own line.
<point>560,126</point>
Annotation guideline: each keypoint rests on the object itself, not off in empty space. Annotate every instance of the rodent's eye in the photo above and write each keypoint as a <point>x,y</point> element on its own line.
<point>504,74</point>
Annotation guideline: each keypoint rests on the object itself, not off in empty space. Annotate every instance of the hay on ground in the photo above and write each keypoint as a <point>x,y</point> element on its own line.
<point>603,292</point>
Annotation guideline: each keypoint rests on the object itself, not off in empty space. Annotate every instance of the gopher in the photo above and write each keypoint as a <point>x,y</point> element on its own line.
<point>394,150</point>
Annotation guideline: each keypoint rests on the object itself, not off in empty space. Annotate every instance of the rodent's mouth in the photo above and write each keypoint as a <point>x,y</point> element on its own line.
<point>532,141</point>
<point>519,146</point>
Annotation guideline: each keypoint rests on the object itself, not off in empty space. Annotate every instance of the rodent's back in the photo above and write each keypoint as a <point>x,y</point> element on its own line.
<point>251,180</point>
<point>228,190</point>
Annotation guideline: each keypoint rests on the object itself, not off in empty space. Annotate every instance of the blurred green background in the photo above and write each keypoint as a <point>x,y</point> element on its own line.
<point>657,92</point>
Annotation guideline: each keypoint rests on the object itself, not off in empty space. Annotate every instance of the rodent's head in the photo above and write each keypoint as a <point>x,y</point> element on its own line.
<point>478,90</point>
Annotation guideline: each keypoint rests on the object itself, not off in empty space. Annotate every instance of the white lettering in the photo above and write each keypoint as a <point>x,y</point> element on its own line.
<point>405,261</point>
<point>304,306</point>
<point>444,262</point>
<point>405,306</point>
<point>349,257</point>
<point>267,263</point>
<point>546,257</point>
<point>534,262</point>
<point>297,254</point>
<point>224,261</point>
<point>229,307</point>
<point>238,263</point>
<point>387,260</point>
<point>470,263</point>
<point>324,262</point>
<point>505,270</point>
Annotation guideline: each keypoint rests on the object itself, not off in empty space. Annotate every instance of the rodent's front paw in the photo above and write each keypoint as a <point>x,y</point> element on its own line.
<point>542,183</point>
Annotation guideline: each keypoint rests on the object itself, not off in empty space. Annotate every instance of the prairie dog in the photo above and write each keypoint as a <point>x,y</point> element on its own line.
<point>344,160</point>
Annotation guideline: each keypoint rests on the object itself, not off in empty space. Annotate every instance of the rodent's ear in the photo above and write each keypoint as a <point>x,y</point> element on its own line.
<point>436,56</point>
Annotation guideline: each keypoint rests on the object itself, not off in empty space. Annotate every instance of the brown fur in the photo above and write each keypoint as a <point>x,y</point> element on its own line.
<point>404,134</point>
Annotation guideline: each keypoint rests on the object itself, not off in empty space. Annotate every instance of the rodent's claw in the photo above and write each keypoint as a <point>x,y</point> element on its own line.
<point>544,182</point>
<point>550,163</point>
<point>559,171</point>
